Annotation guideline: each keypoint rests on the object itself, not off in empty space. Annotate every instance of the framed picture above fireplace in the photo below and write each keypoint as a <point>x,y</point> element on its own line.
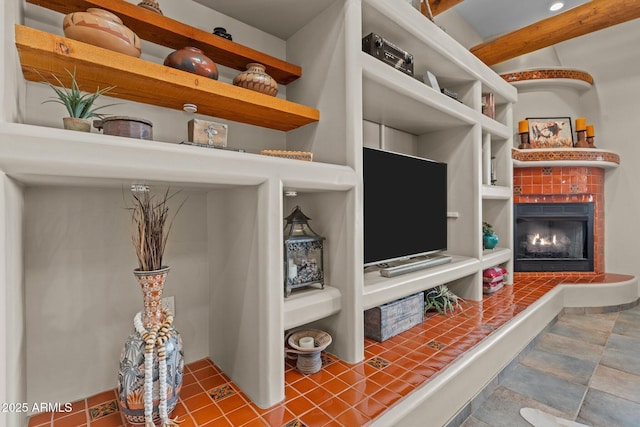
<point>550,132</point>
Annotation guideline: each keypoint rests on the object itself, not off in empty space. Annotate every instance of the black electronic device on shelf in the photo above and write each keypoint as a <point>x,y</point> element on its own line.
<point>405,206</point>
<point>387,52</point>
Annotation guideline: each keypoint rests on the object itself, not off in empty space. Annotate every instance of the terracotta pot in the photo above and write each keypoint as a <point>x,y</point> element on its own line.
<point>255,78</point>
<point>130,127</point>
<point>101,28</point>
<point>192,60</point>
<point>131,375</point>
<point>74,123</point>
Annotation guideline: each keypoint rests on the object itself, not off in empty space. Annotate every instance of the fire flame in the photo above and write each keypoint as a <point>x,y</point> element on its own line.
<point>537,240</point>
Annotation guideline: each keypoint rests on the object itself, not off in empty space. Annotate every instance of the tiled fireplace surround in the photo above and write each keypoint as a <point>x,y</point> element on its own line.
<point>565,184</point>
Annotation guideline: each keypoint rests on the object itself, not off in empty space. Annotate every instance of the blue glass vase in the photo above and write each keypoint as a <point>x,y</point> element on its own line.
<point>490,240</point>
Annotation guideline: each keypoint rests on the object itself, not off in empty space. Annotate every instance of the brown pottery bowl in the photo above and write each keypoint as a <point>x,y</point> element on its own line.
<point>192,60</point>
<point>101,28</point>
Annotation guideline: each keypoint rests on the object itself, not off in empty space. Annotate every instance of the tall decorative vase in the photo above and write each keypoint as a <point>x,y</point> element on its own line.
<point>152,361</point>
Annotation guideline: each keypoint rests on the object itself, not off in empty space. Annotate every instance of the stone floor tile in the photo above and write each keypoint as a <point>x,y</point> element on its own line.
<point>624,344</point>
<point>599,322</point>
<point>617,383</point>
<point>602,409</point>
<point>502,409</point>
<point>600,350</point>
<point>474,422</point>
<point>634,310</point>
<point>559,344</point>
<point>628,329</point>
<point>547,389</point>
<point>630,315</point>
<point>623,361</point>
<point>572,369</point>
<point>581,333</point>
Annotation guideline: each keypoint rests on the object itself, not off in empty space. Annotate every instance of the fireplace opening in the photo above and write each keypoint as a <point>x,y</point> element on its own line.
<point>553,237</point>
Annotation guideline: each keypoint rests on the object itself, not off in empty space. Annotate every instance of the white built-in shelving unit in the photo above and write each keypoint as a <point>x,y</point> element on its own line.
<point>65,244</point>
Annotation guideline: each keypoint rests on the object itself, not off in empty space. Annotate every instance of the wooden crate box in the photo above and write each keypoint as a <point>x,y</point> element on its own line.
<point>388,320</point>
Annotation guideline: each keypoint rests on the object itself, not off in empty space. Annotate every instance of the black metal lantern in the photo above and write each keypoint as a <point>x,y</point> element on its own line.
<point>303,253</point>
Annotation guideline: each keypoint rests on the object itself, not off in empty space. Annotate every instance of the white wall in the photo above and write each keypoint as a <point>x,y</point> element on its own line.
<point>11,93</point>
<point>12,312</point>
<point>12,319</point>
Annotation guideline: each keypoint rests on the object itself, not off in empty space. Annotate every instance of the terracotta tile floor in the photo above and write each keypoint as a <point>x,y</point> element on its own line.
<point>340,394</point>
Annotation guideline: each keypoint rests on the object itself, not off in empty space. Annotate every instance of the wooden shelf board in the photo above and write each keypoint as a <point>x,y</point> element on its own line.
<point>168,32</point>
<point>150,83</point>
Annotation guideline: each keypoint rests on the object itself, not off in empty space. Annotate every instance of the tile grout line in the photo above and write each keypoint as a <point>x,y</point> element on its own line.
<point>595,368</point>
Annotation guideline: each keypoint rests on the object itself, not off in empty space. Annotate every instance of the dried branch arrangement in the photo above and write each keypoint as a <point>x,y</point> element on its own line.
<point>150,214</point>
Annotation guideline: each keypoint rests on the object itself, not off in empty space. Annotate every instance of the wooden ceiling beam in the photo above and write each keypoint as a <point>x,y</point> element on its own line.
<point>439,6</point>
<point>581,20</point>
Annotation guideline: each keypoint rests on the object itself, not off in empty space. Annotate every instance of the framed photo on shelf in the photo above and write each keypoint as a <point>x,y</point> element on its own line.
<point>550,132</point>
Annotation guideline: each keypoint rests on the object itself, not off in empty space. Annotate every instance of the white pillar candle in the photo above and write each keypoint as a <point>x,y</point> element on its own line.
<point>306,342</point>
<point>293,269</point>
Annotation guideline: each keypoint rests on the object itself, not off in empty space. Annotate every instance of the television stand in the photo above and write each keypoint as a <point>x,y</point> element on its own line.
<point>419,263</point>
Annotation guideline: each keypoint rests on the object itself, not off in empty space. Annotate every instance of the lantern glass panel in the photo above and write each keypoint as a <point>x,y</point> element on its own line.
<point>303,254</point>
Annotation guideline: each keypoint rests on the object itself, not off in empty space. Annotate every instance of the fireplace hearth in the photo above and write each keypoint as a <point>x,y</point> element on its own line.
<point>552,237</point>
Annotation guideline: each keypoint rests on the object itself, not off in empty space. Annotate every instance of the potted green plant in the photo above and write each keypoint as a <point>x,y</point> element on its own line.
<point>79,105</point>
<point>489,237</point>
<point>442,300</point>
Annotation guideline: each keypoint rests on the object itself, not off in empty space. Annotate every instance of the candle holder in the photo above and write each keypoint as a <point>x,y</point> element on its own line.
<point>524,141</point>
<point>303,253</point>
<point>308,359</point>
<point>581,139</point>
<point>591,136</point>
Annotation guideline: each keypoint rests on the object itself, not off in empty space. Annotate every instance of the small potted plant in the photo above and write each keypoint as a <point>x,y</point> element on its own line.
<point>79,105</point>
<point>489,237</point>
<point>442,300</point>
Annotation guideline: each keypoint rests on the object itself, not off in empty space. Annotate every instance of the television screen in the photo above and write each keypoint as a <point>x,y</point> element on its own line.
<point>405,206</point>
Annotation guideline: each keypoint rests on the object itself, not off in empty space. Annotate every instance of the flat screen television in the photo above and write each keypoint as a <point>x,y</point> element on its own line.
<point>405,206</point>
